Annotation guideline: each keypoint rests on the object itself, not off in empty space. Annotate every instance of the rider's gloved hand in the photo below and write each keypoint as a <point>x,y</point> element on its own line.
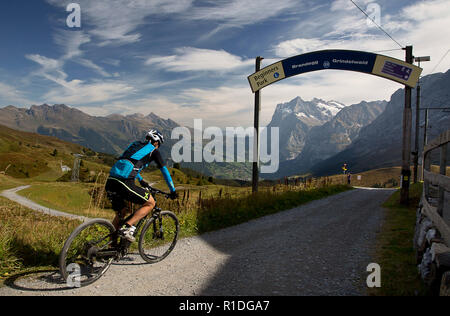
<point>144,184</point>
<point>173,195</point>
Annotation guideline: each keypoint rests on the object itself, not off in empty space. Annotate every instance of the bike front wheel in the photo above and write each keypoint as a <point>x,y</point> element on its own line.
<point>80,261</point>
<point>159,237</point>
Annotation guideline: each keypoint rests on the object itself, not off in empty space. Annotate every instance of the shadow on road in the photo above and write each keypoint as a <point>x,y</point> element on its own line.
<point>320,248</point>
<point>51,278</point>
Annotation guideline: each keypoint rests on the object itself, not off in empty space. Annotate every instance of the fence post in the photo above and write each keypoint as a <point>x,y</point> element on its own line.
<point>427,167</point>
<point>200,198</point>
<point>442,170</point>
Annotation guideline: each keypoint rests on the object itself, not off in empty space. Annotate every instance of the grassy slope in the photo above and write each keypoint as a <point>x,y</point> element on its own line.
<point>385,177</point>
<point>394,252</point>
<point>7,182</point>
<point>382,178</point>
<point>68,197</point>
<point>32,156</point>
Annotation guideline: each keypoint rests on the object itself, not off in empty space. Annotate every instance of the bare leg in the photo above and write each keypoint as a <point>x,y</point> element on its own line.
<point>142,212</point>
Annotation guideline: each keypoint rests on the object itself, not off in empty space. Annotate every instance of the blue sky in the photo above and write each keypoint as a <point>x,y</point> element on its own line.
<point>186,59</point>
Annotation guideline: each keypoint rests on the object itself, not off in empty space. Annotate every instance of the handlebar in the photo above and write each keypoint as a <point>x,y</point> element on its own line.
<point>156,191</point>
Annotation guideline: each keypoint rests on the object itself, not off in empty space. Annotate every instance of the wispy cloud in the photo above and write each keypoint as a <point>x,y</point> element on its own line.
<point>77,92</point>
<point>239,13</point>
<point>297,46</point>
<point>196,59</point>
<point>10,95</point>
<point>115,22</point>
<point>51,69</point>
<point>430,20</point>
<point>70,43</point>
<point>90,64</point>
<point>74,91</point>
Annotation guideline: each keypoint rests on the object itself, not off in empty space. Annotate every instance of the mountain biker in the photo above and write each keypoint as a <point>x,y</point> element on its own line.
<point>121,185</point>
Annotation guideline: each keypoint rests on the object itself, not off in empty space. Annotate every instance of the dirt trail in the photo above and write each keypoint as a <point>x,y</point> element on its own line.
<point>321,248</point>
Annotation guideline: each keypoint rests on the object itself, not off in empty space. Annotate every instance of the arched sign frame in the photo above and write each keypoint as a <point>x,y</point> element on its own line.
<point>351,60</point>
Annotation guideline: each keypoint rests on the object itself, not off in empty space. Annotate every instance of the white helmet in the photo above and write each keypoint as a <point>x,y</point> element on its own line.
<point>155,136</point>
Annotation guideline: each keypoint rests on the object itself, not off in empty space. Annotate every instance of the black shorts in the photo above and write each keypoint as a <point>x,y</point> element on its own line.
<point>119,191</point>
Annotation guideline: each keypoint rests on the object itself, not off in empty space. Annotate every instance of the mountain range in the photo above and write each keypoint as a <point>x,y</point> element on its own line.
<point>110,134</point>
<point>324,141</point>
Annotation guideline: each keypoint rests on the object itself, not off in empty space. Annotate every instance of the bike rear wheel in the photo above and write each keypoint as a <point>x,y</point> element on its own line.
<point>80,263</point>
<point>159,237</point>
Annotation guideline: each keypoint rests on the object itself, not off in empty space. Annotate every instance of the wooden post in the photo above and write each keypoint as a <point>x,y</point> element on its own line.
<point>426,166</point>
<point>406,150</point>
<point>416,136</point>
<point>442,170</point>
<point>255,175</point>
<point>424,141</point>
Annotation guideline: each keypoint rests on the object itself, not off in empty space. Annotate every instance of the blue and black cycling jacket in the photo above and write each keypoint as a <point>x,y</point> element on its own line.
<point>136,158</point>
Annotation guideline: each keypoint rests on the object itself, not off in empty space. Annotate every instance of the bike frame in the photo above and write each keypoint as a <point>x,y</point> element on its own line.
<point>121,249</point>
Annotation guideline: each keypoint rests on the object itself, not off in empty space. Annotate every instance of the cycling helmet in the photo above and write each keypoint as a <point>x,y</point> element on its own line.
<point>155,136</point>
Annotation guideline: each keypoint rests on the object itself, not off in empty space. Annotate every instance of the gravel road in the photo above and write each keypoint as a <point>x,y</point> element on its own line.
<point>12,195</point>
<point>320,248</point>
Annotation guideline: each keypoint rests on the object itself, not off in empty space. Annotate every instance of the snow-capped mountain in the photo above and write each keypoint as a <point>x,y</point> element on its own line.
<point>296,117</point>
<point>308,111</point>
<point>332,137</point>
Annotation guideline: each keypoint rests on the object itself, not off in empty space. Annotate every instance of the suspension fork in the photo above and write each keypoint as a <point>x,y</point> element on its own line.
<point>157,231</point>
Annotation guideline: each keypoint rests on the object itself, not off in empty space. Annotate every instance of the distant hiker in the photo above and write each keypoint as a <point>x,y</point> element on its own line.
<point>344,168</point>
<point>121,185</point>
<point>349,178</point>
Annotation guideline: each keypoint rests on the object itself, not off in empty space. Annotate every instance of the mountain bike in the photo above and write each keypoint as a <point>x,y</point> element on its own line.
<point>93,246</point>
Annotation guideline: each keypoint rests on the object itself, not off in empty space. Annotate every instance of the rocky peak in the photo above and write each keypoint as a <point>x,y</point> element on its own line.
<point>314,112</point>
